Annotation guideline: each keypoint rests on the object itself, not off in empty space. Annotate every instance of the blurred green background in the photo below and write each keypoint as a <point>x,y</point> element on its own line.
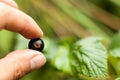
<point>66,21</point>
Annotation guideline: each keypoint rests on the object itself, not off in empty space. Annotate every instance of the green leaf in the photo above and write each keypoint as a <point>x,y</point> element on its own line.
<point>89,58</point>
<point>115,42</point>
<point>114,53</point>
<point>50,48</point>
<point>61,60</point>
<point>117,78</point>
<point>21,42</point>
<point>114,58</point>
<point>57,53</point>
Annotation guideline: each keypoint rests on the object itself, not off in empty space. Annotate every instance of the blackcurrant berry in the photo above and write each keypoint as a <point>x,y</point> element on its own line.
<point>36,44</point>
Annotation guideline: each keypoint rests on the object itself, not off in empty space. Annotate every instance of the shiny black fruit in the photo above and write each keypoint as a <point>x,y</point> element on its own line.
<point>36,44</point>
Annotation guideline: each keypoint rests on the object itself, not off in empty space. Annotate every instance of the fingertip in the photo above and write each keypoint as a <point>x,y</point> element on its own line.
<point>28,27</point>
<point>37,62</point>
<point>18,21</point>
<point>11,3</point>
<point>32,33</point>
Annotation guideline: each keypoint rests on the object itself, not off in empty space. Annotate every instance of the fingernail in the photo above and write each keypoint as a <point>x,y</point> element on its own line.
<point>37,61</point>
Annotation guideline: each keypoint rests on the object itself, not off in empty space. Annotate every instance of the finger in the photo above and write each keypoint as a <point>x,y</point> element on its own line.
<point>19,63</point>
<point>10,3</point>
<point>15,20</point>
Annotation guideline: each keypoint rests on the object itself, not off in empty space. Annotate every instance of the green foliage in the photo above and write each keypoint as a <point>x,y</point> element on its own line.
<point>61,60</point>
<point>80,17</point>
<point>89,58</point>
<point>117,78</point>
<point>115,41</point>
<point>6,42</point>
<point>114,53</point>
<point>21,42</point>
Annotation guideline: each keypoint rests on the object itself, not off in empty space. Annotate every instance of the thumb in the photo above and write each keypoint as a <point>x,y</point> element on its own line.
<point>18,63</point>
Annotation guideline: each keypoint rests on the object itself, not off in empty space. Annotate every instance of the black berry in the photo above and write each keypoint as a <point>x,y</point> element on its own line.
<point>36,44</point>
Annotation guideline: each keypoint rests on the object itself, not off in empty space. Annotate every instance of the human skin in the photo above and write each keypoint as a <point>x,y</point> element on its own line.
<point>20,62</point>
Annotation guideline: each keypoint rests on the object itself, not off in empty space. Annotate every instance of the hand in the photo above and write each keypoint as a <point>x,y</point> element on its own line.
<point>18,63</point>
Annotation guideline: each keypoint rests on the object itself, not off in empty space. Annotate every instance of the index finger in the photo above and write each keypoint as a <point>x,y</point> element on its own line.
<point>10,3</point>
<point>17,21</point>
